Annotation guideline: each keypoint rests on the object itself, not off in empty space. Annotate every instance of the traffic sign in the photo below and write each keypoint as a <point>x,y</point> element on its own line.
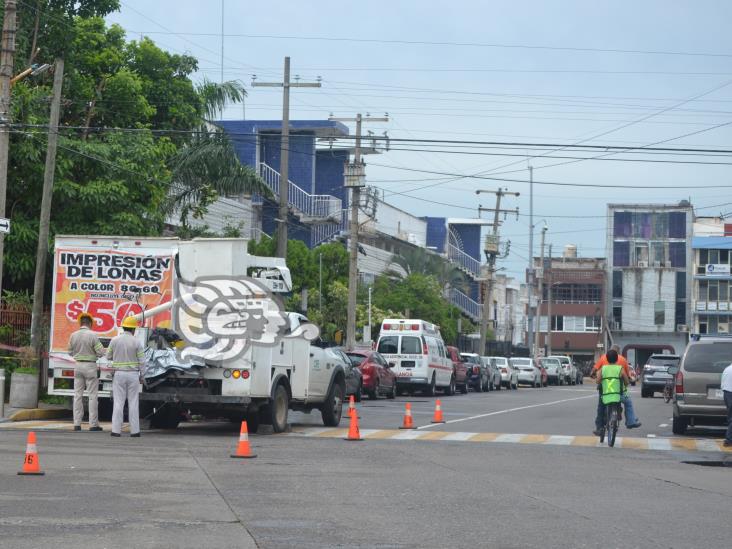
<point>4,225</point>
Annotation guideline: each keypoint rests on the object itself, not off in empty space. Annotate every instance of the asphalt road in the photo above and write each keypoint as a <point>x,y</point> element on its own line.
<point>181,489</point>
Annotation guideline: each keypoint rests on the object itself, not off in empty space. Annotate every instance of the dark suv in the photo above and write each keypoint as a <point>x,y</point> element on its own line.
<point>655,373</point>
<point>698,397</point>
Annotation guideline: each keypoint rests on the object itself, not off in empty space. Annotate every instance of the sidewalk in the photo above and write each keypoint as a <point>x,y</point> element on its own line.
<point>43,411</point>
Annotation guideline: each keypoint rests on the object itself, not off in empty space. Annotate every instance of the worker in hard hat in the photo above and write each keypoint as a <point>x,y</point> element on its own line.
<point>128,361</point>
<point>85,347</point>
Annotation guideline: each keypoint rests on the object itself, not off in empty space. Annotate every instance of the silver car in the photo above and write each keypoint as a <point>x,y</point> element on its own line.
<point>528,372</point>
<point>553,370</point>
<point>568,368</point>
<point>509,373</point>
<point>494,373</point>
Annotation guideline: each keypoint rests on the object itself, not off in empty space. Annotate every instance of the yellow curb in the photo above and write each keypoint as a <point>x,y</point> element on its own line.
<point>533,439</point>
<point>433,435</point>
<point>40,413</point>
<point>381,434</point>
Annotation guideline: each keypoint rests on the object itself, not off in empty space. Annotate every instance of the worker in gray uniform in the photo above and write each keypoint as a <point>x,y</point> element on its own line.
<point>128,361</point>
<point>85,347</point>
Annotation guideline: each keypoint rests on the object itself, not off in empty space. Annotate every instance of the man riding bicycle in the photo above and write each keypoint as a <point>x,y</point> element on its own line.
<point>631,421</point>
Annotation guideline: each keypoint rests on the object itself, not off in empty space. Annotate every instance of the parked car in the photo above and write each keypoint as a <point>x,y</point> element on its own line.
<point>528,372</point>
<point>459,372</point>
<point>655,373</point>
<point>698,398</point>
<point>477,372</point>
<point>509,373</point>
<point>494,373</point>
<point>354,379</point>
<point>554,370</point>
<point>568,369</point>
<point>378,377</point>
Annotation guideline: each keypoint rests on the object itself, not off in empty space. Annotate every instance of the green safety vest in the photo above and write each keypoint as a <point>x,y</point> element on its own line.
<point>611,383</point>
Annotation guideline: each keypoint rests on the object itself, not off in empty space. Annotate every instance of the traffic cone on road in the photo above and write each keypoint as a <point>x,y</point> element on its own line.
<point>438,413</point>
<point>243,450</point>
<point>352,407</point>
<point>408,423</point>
<point>353,431</point>
<point>31,464</point>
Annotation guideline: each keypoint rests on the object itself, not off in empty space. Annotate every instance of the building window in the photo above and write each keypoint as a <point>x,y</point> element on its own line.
<point>703,291</point>
<point>622,224</point>
<point>660,225</point>
<point>680,313</point>
<point>641,253</point>
<point>618,317</point>
<point>713,291</point>
<point>557,323</point>
<point>592,324</point>
<point>677,225</point>
<point>618,284</point>
<point>714,257</point>
<point>659,313</point>
<point>642,225</point>
<point>703,324</point>
<point>677,254</point>
<point>724,257</point>
<point>658,252</point>
<point>621,253</point>
<point>680,285</point>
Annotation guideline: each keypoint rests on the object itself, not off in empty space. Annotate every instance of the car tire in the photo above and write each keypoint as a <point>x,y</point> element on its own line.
<point>332,409</point>
<point>450,389</point>
<point>392,394</point>
<point>679,425</point>
<point>645,393</point>
<point>278,409</point>
<point>359,392</point>
<point>464,388</point>
<point>478,387</point>
<point>430,389</point>
<point>497,387</point>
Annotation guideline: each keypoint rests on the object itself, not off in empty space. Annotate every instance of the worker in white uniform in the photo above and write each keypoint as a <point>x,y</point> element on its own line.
<point>128,360</point>
<point>85,347</point>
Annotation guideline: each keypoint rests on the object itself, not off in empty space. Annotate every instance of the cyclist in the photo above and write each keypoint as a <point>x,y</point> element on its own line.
<point>631,421</point>
<point>612,380</point>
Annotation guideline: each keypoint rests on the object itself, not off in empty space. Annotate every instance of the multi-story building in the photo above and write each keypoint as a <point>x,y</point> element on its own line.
<point>649,268</point>
<point>573,291</point>
<point>712,251</point>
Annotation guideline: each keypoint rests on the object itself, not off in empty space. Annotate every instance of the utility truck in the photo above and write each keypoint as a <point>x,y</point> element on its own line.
<point>218,343</point>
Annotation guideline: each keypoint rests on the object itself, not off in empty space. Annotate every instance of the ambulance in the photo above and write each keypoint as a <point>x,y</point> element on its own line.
<point>418,356</point>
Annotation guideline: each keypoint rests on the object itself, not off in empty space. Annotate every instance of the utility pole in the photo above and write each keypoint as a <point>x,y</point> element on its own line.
<point>491,251</point>
<point>43,229</point>
<point>549,306</point>
<point>354,179</point>
<point>7,59</point>
<point>530,288</point>
<point>540,295</point>
<point>284,151</point>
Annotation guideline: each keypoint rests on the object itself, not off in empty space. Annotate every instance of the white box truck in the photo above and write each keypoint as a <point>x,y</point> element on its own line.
<point>151,278</point>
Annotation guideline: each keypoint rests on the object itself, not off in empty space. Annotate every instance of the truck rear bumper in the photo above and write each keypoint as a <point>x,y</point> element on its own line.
<point>208,399</point>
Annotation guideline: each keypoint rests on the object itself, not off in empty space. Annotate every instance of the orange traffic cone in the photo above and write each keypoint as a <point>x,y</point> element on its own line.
<point>31,464</point>
<point>408,423</point>
<point>353,432</point>
<point>438,413</point>
<point>352,407</point>
<point>243,450</point>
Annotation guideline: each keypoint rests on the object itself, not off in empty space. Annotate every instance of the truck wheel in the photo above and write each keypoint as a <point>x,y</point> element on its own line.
<point>253,422</point>
<point>430,389</point>
<point>167,417</point>
<point>333,405</point>
<point>450,389</point>
<point>358,393</point>
<point>679,425</point>
<point>278,409</point>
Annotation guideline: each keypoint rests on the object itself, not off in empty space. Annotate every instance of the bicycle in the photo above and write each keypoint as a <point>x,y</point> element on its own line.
<point>612,421</point>
<point>668,388</point>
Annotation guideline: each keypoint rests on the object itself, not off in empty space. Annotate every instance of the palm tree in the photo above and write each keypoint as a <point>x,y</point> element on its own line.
<point>207,166</point>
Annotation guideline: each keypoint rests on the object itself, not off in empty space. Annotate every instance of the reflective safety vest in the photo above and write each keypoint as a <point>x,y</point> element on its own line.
<point>611,383</point>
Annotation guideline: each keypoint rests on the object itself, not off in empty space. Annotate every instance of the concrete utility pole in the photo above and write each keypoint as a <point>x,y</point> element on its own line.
<point>491,251</point>
<point>549,305</point>
<point>355,180</point>
<point>285,151</point>
<point>530,285</point>
<point>43,229</point>
<point>7,59</point>
<point>540,294</point>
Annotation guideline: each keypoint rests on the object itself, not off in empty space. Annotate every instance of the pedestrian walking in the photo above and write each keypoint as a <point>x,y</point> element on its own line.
<point>727,392</point>
<point>85,347</point>
<point>128,360</point>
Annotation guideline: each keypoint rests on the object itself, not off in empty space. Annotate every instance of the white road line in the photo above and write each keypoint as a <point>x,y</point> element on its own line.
<point>406,435</point>
<point>663,425</point>
<point>560,440</point>
<point>459,436</point>
<point>509,438</point>
<point>651,436</point>
<point>366,432</point>
<point>659,444</point>
<point>510,410</point>
<point>707,445</point>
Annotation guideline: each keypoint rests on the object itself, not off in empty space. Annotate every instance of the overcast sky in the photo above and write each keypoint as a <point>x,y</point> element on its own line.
<point>545,88</point>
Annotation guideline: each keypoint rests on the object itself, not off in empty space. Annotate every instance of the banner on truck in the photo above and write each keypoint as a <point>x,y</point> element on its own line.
<point>105,284</point>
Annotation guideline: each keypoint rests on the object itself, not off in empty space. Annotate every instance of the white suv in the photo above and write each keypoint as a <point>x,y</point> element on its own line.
<point>569,370</point>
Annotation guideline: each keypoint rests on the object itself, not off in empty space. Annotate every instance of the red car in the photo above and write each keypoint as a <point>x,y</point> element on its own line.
<point>460,371</point>
<point>377,375</point>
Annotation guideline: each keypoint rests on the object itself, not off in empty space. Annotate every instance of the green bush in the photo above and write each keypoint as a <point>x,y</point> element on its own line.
<point>26,370</point>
